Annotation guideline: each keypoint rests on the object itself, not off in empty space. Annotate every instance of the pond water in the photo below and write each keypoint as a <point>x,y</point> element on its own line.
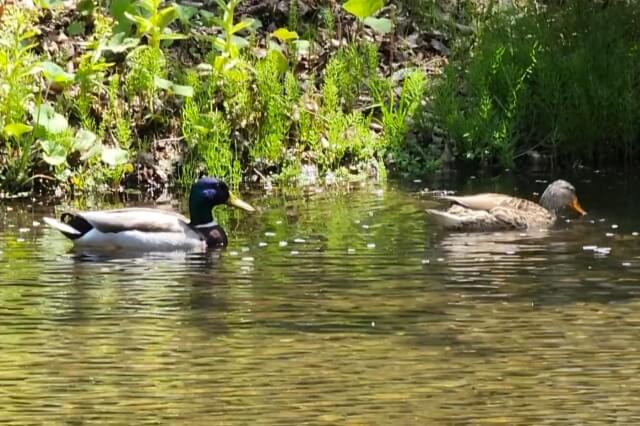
<point>332,307</point>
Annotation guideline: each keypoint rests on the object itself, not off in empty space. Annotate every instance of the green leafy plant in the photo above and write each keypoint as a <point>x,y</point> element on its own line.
<point>562,80</point>
<point>17,80</point>
<point>364,11</point>
<point>153,22</point>
<point>229,44</point>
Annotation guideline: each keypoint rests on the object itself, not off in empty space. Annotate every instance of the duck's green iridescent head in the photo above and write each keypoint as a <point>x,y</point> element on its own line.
<point>207,193</point>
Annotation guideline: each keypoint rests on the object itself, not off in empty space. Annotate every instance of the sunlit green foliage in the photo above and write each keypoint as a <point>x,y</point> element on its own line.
<point>561,79</point>
<point>244,104</point>
<point>17,61</point>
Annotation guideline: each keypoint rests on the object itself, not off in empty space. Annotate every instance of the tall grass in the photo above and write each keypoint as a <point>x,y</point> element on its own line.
<point>560,79</point>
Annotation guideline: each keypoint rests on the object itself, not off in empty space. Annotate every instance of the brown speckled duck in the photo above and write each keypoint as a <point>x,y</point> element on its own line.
<point>493,212</point>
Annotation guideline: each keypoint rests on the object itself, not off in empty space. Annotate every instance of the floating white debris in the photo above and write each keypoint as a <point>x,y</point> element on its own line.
<point>20,240</point>
<point>278,222</point>
<point>602,250</point>
<point>614,226</point>
<point>371,245</point>
<point>627,264</point>
<point>373,323</point>
<point>24,230</point>
<point>299,240</point>
<point>262,244</point>
<point>635,234</point>
<point>370,214</point>
<point>282,243</point>
<point>233,253</point>
<point>269,234</point>
<point>601,220</point>
<point>417,180</point>
<point>365,226</point>
<point>351,250</point>
<point>9,209</point>
<point>247,259</point>
<point>357,221</point>
<point>609,234</point>
<point>35,224</point>
<point>440,259</point>
<point>590,248</point>
<point>295,252</point>
<point>425,261</point>
<point>244,249</point>
<point>510,252</point>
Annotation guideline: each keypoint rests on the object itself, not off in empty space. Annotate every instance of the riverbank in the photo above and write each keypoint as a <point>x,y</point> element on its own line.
<point>140,96</point>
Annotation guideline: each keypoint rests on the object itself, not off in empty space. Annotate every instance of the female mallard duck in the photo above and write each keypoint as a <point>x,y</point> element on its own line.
<point>492,212</point>
<point>153,229</point>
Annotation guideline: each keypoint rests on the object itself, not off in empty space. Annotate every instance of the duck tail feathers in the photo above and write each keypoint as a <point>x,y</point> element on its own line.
<point>445,219</point>
<point>67,230</point>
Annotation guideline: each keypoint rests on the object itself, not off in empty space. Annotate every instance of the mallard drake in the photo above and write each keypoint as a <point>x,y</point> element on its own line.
<point>491,212</point>
<point>152,229</point>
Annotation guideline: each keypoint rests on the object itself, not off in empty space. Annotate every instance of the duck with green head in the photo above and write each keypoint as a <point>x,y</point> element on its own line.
<point>153,229</point>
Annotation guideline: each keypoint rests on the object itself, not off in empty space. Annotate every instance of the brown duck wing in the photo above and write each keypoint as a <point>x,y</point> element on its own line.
<point>496,219</point>
<point>480,201</point>
<point>138,219</point>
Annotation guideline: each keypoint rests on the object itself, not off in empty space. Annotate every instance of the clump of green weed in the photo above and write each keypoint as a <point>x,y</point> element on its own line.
<point>145,66</point>
<point>207,135</point>
<point>350,69</point>
<point>275,99</point>
<point>560,79</point>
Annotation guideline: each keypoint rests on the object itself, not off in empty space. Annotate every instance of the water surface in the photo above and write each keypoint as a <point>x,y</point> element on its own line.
<point>332,307</point>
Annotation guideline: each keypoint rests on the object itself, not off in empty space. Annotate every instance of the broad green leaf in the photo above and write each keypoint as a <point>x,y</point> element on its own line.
<point>182,90</point>
<point>185,13</point>
<point>161,83</point>
<point>16,129</point>
<point>84,140</point>
<point>239,42</point>
<point>241,26</point>
<point>219,44</point>
<point>54,73</point>
<point>117,8</point>
<point>284,34</point>
<point>165,17</point>
<point>363,8</point>
<point>144,25</point>
<point>121,43</point>
<point>208,18</point>
<point>86,6</point>
<point>114,156</point>
<point>53,152</point>
<point>45,116</point>
<point>381,25</point>
<point>148,5</point>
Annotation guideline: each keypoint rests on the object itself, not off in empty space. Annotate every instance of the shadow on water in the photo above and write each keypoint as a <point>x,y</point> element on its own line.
<point>332,307</point>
